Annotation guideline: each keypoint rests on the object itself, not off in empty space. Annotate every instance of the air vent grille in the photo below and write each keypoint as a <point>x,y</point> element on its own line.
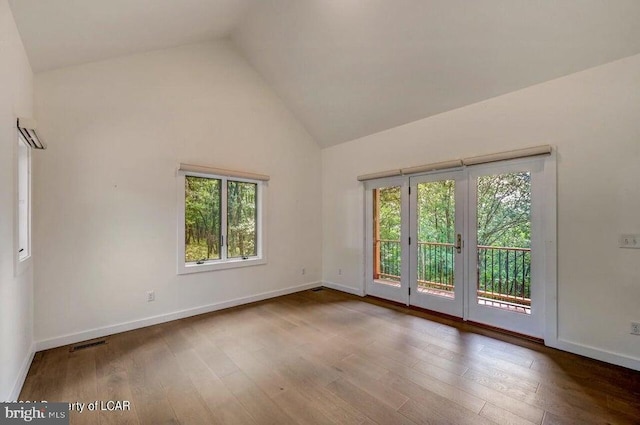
<point>88,344</point>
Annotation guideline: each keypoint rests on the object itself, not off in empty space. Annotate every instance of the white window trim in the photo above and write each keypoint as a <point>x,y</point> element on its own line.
<point>223,263</point>
<point>21,264</point>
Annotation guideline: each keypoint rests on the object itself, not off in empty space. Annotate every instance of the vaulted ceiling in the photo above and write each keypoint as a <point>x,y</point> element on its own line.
<point>59,33</point>
<point>350,68</point>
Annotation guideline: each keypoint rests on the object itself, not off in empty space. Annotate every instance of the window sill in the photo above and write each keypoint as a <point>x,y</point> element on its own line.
<point>212,266</point>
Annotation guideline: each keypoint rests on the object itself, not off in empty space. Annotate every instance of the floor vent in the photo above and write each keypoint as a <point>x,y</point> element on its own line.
<point>319,288</point>
<point>89,344</point>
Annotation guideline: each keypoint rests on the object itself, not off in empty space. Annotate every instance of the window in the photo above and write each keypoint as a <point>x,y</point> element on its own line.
<point>24,201</point>
<point>220,223</point>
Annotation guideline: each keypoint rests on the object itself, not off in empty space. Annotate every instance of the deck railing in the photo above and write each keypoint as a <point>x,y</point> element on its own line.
<point>504,273</point>
<point>436,266</point>
<point>389,264</point>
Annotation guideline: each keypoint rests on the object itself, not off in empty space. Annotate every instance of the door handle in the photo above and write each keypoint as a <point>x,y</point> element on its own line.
<point>459,243</point>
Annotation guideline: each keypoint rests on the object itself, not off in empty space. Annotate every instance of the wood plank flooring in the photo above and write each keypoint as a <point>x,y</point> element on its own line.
<point>330,358</point>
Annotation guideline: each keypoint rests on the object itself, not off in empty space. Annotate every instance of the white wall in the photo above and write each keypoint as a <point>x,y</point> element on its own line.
<point>106,188</point>
<point>592,117</point>
<point>16,292</point>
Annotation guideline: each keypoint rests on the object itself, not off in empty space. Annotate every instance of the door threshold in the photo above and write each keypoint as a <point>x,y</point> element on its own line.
<point>477,327</point>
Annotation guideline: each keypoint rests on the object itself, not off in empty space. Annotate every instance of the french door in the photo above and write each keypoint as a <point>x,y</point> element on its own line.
<point>436,226</point>
<point>505,246</point>
<point>466,242</point>
<point>388,224</point>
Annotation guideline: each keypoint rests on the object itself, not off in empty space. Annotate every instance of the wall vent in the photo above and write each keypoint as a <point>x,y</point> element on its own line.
<point>88,344</point>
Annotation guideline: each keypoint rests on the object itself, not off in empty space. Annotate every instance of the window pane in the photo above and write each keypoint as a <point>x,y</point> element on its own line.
<point>386,233</point>
<point>202,219</point>
<point>242,207</point>
<point>436,237</point>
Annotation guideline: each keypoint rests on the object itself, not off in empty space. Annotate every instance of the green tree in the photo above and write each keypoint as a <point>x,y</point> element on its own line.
<point>504,210</point>
<point>241,218</point>
<point>202,218</point>
<point>390,213</point>
<point>436,211</point>
<point>503,220</point>
<point>389,222</point>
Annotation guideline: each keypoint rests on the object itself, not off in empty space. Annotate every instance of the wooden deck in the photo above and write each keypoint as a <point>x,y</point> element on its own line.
<point>517,308</point>
<point>330,358</point>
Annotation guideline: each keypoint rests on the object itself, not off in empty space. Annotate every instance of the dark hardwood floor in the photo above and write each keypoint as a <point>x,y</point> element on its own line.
<point>330,358</point>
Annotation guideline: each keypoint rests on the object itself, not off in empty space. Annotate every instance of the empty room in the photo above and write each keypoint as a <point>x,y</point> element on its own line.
<point>320,212</point>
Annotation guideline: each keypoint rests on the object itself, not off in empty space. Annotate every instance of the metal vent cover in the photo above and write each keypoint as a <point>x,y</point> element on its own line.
<point>88,344</point>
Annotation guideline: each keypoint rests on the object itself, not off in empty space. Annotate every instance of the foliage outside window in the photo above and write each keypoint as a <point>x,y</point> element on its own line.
<point>503,234</point>
<point>387,228</point>
<point>241,219</point>
<point>202,219</point>
<point>221,223</point>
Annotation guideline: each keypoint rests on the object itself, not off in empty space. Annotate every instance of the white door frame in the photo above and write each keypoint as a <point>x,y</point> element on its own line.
<point>397,294</point>
<point>453,307</point>
<point>545,193</point>
<point>527,324</point>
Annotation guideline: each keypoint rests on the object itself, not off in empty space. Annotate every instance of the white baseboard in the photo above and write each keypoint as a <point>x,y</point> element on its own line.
<point>560,344</point>
<point>22,375</point>
<point>596,353</point>
<point>572,347</point>
<point>348,289</point>
<point>154,320</point>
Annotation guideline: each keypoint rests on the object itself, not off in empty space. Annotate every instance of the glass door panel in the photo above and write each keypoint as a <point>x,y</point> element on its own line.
<point>504,241</point>
<point>504,236</point>
<point>436,228</point>
<point>436,207</point>
<point>385,229</point>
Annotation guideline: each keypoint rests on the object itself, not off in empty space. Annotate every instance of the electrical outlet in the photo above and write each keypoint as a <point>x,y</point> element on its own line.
<point>629,241</point>
<point>151,296</point>
<point>635,328</point>
<point>340,272</point>
<point>304,271</point>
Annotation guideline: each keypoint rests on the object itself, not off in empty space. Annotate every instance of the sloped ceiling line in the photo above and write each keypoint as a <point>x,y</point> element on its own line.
<point>351,68</point>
